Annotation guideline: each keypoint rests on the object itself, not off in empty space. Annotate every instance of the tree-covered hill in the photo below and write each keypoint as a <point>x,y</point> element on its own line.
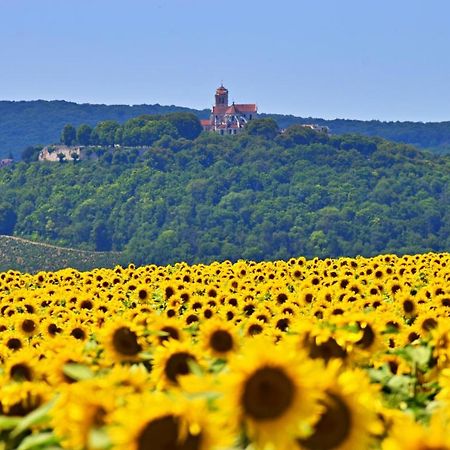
<point>252,196</point>
<point>28,123</point>
<point>434,136</point>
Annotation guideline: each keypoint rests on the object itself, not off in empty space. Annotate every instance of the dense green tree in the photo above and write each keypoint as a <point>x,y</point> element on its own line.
<point>31,153</point>
<point>187,124</point>
<point>155,130</point>
<point>84,133</point>
<point>300,135</point>
<point>8,218</point>
<point>102,237</point>
<point>266,127</point>
<point>68,134</point>
<point>104,133</point>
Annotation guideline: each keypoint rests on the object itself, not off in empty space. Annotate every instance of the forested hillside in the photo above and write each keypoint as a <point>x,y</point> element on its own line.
<point>434,136</point>
<point>40,122</point>
<point>251,196</point>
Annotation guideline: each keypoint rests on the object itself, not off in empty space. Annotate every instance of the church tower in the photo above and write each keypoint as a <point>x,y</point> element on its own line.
<point>222,97</point>
<point>228,119</point>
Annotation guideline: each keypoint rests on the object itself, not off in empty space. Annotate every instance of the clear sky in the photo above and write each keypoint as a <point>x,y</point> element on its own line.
<point>360,59</point>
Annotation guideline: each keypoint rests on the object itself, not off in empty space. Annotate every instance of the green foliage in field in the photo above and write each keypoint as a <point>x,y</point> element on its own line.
<point>247,196</point>
<point>27,256</point>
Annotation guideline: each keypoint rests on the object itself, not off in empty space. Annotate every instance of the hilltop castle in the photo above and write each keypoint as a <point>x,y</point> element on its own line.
<point>228,119</point>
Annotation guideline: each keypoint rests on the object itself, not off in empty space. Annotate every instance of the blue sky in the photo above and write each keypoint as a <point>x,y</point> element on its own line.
<point>360,59</point>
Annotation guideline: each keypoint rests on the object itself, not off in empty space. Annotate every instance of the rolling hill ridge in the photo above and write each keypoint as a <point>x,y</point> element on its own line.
<point>25,123</point>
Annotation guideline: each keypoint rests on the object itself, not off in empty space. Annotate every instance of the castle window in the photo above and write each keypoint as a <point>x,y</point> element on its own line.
<point>250,118</point>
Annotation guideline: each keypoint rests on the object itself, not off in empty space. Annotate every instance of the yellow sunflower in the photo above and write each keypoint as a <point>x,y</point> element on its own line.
<point>27,324</point>
<point>19,399</point>
<point>218,338</point>
<point>22,365</point>
<point>162,329</point>
<point>63,351</point>
<point>173,360</point>
<point>80,408</point>
<point>11,341</point>
<point>409,435</point>
<point>122,341</point>
<point>271,394</point>
<point>348,420</point>
<point>153,421</point>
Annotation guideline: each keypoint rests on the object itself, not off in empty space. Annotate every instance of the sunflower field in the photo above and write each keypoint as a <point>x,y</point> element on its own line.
<point>349,353</point>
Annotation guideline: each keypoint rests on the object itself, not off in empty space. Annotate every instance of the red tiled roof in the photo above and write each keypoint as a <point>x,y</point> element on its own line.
<point>219,109</point>
<point>241,108</point>
<point>232,109</point>
<point>205,122</point>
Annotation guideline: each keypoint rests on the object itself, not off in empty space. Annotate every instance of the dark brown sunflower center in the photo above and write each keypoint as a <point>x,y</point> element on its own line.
<point>163,434</point>
<point>326,350</point>
<point>99,417</point>
<point>159,434</point>
<point>221,341</point>
<point>178,364</point>
<point>281,298</point>
<point>429,324</point>
<point>20,372</point>
<point>28,326</point>
<point>267,394</point>
<point>333,427</point>
<point>14,344</point>
<point>53,329</point>
<point>172,333</point>
<point>408,306</point>
<point>143,294</point>
<point>282,324</point>
<point>78,333</point>
<point>192,442</point>
<point>86,304</point>
<point>254,329</point>
<point>22,408</point>
<point>125,342</point>
<point>367,338</point>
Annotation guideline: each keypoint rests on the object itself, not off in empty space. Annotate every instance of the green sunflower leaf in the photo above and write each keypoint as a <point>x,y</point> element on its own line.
<point>8,423</point>
<point>98,439</point>
<point>194,367</point>
<point>78,372</point>
<point>38,441</point>
<point>420,355</point>
<point>36,417</point>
